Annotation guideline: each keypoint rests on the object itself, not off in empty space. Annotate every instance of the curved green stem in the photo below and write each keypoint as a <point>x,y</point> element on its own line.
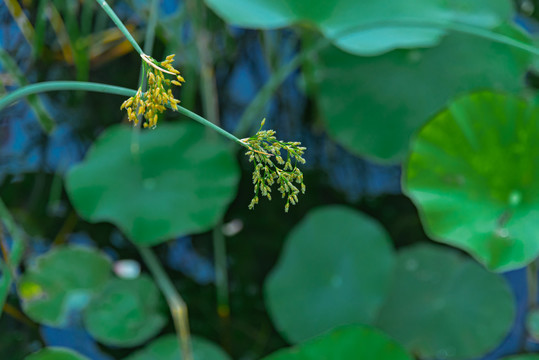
<point>211,125</point>
<point>174,299</point>
<point>464,29</point>
<point>267,91</point>
<point>119,24</point>
<point>103,88</point>
<point>60,86</point>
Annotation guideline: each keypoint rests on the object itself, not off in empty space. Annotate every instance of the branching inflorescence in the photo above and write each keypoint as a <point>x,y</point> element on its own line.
<point>152,102</point>
<point>263,147</point>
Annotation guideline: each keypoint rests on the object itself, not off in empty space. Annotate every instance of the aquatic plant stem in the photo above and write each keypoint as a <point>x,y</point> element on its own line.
<point>150,28</point>
<point>12,260</point>
<point>255,107</point>
<point>102,88</point>
<point>10,65</point>
<point>210,102</point>
<point>120,25</point>
<point>61,86</point>
<point>175,302</point>
<point>531,277</point>
<point>211,125</point>
<point>221,271</point>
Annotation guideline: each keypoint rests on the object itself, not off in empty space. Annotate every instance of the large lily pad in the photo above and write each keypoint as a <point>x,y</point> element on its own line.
<point>128,312</point>
<point>372,106</point>
<point>443,305</point>
<point>334,270</point>
<point>351,342</point>
<point>366,27</point>
<point>179,182</point>
<point>474,175</point>
<point>522,357</point>
<point>61,281</point>
<point>167,348</point>
<point>55,353</point>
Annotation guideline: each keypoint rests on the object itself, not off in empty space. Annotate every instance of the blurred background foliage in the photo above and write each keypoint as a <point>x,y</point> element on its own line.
<point>429,91</point>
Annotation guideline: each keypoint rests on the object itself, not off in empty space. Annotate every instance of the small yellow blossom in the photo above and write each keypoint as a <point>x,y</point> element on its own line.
<point>158,93</point>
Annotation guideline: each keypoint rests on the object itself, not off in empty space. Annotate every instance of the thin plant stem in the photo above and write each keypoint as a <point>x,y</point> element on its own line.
<point>531,279</point>
<point>107,89</point>
<point>211,125</point>
<point>177,306</point>
<point>221,272</point>
<point>150,28</point>
<point>61,86</point>
<point>472,30</point>
<point>120,25</point>
<point>531,275</point>
<point>20,18</point>
<point>11,262</point>
<point>267,91</point>
<point>35,103</point>
<point>270,87</point>
<point>18,315</point>
<point>17,247</point>
<point>68,226</point>
<point>210,100</point>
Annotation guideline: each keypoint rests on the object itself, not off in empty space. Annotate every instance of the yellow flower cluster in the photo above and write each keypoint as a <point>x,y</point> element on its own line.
<point>158,94</point>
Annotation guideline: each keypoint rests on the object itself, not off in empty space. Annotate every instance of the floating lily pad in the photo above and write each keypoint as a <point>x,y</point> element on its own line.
<point>180,181</point>
<point>53,353</point>
<point>351,342</point>
<point>334,270</point>
<point>366,27</point>
<point>128,312</point>
<point>473,173</point>
<point>522,357</point>
<point>167,348</point>
<point>372,106</point>
<point>443,305</point>
<point>61,281</point>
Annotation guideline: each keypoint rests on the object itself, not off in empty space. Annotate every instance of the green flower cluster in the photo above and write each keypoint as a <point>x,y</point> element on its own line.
<point>158,94</point>
<point>264,147</point>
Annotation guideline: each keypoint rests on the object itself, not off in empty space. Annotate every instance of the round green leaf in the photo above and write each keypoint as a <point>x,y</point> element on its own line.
<point>334,270</point>
<point>443,305</point>
<point>55,353</point>
<point>522,357</point>
<point>532,323</point>
<point>61,281</point>
<point>351,342</point>
<point>180,181</point>
<point>473,173</point>
<point>128,312</point>
<point>167,348</point>
<point>372,106</point>
<point>366,27</point>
